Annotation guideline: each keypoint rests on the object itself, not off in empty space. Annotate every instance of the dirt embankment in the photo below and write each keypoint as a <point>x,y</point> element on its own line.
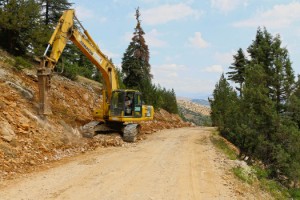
<point>28,142</point>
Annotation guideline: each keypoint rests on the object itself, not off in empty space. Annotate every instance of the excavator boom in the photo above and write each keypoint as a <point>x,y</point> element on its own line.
<point>65,31</point>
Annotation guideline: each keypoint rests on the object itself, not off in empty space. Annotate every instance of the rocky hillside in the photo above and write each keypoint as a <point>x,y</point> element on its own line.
<point>194,112</point>
<point>195,107</point>
<point>28,142</point>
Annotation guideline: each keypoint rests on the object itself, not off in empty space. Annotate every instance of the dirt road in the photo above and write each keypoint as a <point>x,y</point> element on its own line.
<point>171,164</point>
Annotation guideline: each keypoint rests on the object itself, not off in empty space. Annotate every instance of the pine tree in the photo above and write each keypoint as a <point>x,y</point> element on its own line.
<point>264,122</point>
<point>267,52</point>
<point>224,98</point>
<point>53,9</point>
<point>19,19</point>
<point>284,78</point>
<point>135,62</point>
<point>293,105</point>
<point>169,101</point>
<point>260,113</point>
<point>238,67</point>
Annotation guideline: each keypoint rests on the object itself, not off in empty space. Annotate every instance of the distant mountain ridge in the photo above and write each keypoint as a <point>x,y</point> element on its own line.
<point>201,102</point>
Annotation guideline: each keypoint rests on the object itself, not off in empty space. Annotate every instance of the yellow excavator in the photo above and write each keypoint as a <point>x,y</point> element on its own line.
<point>121,108</point>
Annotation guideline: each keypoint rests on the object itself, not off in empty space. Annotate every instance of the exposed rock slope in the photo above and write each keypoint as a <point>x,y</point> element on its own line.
<point>194,112</point>
<point>195,107</point>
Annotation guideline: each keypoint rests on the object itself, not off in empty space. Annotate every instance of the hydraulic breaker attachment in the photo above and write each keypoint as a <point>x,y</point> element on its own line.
<point>44,77</point>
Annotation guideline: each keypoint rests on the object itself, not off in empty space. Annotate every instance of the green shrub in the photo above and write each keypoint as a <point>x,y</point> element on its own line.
<point>21,63</point>
<point>274,188</point>
<point>243,175</point>
<point>68,70</point>
<point>295,193</point>
<point>223,146</point>
<point>260,172</point>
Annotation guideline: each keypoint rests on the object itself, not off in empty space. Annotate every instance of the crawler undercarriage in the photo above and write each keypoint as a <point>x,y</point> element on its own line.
<point>128,131</point>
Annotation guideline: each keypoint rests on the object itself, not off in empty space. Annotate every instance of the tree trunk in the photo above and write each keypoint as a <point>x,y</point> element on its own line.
<point>47,12</point>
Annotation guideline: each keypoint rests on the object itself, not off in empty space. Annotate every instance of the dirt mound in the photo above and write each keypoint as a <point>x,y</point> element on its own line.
<point>27,141</point>
<point>163,120</point>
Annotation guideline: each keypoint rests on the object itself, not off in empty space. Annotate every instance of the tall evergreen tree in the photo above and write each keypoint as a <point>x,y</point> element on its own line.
<point>19,19</point>
<point>238,67</point>
<point>264,121</point>
<point>284,78</point>
<point>260,114</point>
<point>170,102</point>
<point>224,98</point>
<point>294,104</point>
<point>52,10</point>
<point>267,52</point>
<point>135,62</point>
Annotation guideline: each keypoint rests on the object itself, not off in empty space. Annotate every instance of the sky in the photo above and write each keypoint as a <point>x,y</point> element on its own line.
<point>191,42</point>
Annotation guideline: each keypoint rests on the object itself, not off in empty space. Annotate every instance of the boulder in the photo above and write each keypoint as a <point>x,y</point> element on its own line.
<point>28,94</point>
<point>6,131</point>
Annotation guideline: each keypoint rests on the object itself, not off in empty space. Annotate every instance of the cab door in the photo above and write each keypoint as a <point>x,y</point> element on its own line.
<point>137,105</point>
<point>117,103</point>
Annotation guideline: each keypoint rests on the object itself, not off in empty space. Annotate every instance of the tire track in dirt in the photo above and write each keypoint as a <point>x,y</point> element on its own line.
<point>170,164</point>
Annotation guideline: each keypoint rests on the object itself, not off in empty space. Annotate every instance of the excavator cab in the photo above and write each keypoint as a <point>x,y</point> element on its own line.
<point>126,103</point>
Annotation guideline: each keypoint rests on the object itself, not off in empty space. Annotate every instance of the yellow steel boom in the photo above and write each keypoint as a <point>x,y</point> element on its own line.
<point>65,31</point>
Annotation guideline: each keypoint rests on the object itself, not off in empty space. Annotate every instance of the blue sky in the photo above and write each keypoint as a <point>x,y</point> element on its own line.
<point>191,42</point>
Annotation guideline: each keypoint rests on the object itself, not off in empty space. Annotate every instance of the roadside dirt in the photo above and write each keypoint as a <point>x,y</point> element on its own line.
<point>171,164</point>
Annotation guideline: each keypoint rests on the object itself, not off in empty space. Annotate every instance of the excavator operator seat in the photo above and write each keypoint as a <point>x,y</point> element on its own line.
<point>126,103</point>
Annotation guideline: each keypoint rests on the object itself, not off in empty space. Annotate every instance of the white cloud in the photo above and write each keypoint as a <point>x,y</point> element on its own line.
<point>167,70</point>
<point>226,6</point>
<point>173,57</point>
<point>180,79</point>
<point>84,13</point>
<point>280,16</point>
<point>102,19</point>
<point>110,54</point>
<point>167,13</point>
<point>151,1</point>
<point>185,84</point>
<point>225,58</point>
<point>213,69</point>
<point>198,41</point>
<point>127,37</point>
<point>152,39</point>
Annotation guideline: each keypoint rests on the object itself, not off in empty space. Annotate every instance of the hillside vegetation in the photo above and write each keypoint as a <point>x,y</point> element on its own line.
<point>194,112</point>
<point>263,119</point>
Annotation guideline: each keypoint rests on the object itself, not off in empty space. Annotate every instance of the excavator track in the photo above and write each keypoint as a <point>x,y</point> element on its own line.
<point>90,129</point>
<point>129,131</point>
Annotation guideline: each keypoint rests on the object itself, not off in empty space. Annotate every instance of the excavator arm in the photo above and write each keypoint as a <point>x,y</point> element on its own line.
<point>67,31</point>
